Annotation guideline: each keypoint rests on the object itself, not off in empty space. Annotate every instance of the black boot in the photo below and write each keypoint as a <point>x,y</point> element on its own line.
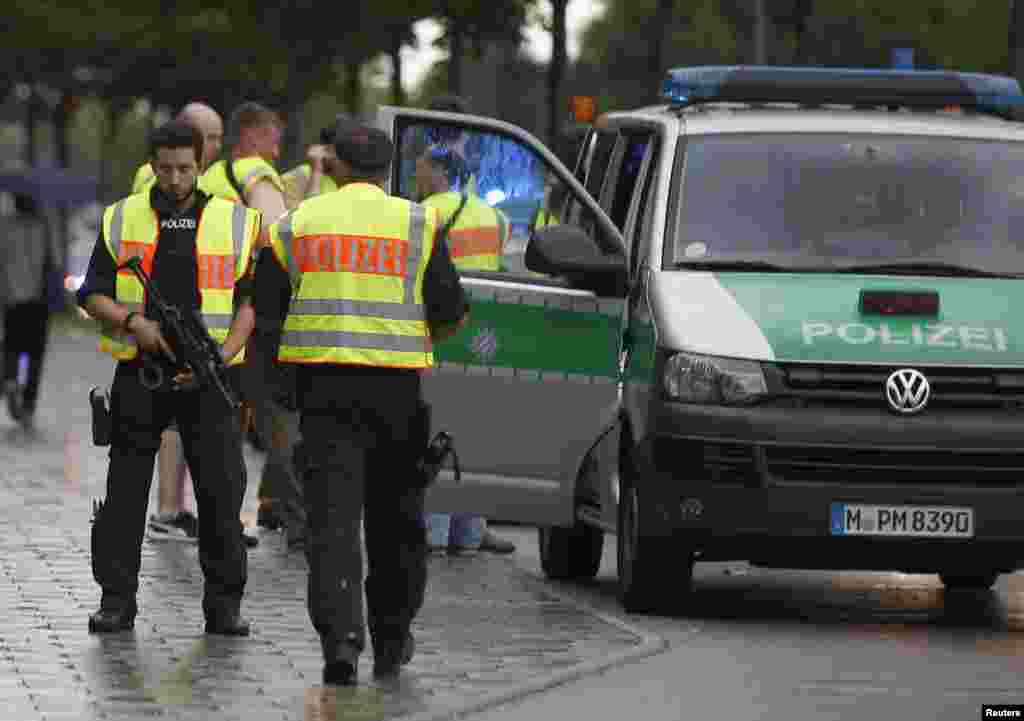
<point>229,625</point>
<point>389,657</point>
<point>111,620</point>
<point>339,673</point>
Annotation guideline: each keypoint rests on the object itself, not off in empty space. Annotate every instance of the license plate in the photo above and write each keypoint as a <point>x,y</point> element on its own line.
<point>926,521</point>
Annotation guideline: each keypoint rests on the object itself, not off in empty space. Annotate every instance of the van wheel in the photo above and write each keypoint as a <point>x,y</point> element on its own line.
<point>974,581</point>
<point>570,553</point>
<point>655,572</point>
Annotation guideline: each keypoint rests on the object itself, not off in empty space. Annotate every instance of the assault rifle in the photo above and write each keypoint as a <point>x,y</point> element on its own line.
<point>186,333</point>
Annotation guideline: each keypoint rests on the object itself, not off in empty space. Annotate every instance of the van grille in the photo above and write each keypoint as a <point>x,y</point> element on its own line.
<point>869,466</point>
<point>865,385</point>
<point>724,464</point>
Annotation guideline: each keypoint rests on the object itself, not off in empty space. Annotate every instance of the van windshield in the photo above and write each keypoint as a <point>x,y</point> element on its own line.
<point>832,202</point>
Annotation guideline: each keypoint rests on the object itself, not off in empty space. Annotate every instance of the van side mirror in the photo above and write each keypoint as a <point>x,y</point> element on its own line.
<point>568,251</point>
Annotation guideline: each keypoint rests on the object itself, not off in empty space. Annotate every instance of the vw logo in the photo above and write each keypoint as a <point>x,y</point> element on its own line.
<point>907,391</point>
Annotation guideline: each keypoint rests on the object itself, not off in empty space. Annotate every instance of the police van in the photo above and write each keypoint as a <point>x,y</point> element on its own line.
<point>780,319</point>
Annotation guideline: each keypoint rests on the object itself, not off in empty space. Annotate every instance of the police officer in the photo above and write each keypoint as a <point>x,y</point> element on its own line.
<point>254,132</point>
<point>476,238</point>
<point>372,286</point>
<point>209,124</point>
<point>196,266</point>
<point>470,251</point>
<point>313,177</point>
<point>479,234</point>
<point>173,520</point>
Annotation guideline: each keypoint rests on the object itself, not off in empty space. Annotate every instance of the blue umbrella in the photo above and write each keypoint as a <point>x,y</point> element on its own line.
<point>50,186</point>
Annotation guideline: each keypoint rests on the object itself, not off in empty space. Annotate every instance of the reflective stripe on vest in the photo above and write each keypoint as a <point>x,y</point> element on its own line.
<point>346,308</point>
<point>476,240</point>
<point>131,229</point>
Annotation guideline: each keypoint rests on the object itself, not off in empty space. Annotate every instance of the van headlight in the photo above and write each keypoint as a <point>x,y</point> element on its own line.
<point>692,378</point>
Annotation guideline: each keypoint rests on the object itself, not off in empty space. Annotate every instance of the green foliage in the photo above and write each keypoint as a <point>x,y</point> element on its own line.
<point>948,34</point>
<point>944,33</point>
<point>698,33</point>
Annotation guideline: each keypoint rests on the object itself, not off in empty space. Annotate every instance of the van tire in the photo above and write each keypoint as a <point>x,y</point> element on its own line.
<point>655,572</point>
<point>969,581</point>
<point>572,553</point>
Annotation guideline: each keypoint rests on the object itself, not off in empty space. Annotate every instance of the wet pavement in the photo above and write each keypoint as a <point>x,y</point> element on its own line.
<point>487,626</point>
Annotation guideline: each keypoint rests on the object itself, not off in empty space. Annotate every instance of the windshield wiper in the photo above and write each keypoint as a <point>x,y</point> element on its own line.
<point>915,268</point>
<point>740,265</point>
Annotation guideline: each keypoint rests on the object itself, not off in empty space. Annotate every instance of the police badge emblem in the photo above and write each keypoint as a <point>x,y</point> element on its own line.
<point>484,344</point>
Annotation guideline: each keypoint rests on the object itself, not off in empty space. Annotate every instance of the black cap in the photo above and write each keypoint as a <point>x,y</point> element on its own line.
<point>342,122</point>
<point>366,149</point>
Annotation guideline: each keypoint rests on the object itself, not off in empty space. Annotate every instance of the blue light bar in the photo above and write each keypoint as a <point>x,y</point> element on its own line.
<point>841,86</point>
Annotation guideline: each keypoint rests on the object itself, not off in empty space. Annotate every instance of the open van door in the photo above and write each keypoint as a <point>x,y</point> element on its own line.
<point>524,387</point>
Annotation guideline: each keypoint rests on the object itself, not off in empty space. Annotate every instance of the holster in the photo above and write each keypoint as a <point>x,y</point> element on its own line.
<point>98,541</point>
<point>435,450</point>
<point>101,420</point>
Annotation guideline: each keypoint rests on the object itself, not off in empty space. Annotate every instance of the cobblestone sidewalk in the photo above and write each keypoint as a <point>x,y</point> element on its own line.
<point>486,626</point>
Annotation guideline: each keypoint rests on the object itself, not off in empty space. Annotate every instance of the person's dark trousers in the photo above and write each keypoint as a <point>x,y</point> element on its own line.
<point>212,442</point>
<point>269,390</point>
<point>26,331</point>
<point>361,456</point>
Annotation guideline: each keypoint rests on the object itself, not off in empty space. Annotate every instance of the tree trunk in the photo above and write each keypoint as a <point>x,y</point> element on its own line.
<point>60,130</point>
<point>353,88</point>
<point>656,60</point>
<point>1016,33</point>
<point>397,91</point>
<point>556,71</point>
<point>292,145</point>
<point>61,116</point>
<point>801,14</point>
<point>456,43</point>
<point>115,109</point>
<point>31,125</point>
<point>760,33</point>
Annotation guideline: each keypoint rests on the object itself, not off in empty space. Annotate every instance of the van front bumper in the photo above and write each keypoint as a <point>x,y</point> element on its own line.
<point>764,479</point>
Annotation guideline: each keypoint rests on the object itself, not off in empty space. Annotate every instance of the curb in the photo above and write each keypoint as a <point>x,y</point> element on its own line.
<point>650,645</point>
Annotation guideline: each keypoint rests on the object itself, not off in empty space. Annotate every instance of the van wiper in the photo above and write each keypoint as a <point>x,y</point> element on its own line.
<point>763,266</point>
<point>915,268</point>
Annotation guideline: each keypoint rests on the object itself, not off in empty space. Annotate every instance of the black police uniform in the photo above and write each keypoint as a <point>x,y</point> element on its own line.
<point>270,388</point>
<point>210,435</point>
<point>362,441</point>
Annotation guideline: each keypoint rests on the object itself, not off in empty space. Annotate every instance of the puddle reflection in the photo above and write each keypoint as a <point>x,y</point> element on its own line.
<point>120,663</point>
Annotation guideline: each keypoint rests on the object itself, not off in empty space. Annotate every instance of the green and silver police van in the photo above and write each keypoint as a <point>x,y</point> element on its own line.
<point>779,319</point>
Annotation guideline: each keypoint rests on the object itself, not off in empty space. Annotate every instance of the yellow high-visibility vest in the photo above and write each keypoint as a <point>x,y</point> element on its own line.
<point>145,179</point>
<point>224,244</point>
<point>248,172</point>
<point>356,259</point>
<point>295,182</point>
<point>480,232</point>
<point>543,218</point>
